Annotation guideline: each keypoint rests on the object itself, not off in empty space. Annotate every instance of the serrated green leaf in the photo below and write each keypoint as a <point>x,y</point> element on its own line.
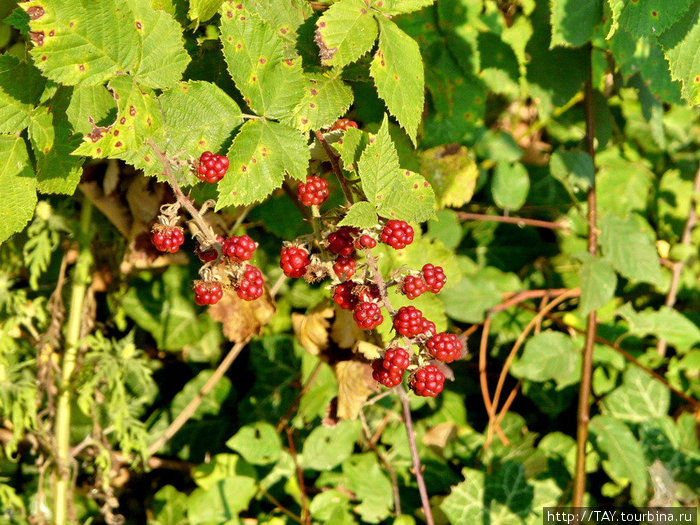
<point>258,443</point>
<point>664,323</point>
<point>78,39</point>
<point>452,173</point>
<point>366,479</point>
<point>574,169</point>
<point>638,399</point>
<point>21,86</point>
<point>652,17</point>
<point>549,355</point>
<point>285,18</point>
<point>398,7</point>
<point>203,10</point>
<point>482,295</point>
<point>629,250</point>
<point>260,156</point>
<point>325,99</point>
<point>345,32</point>
<point>616,7</point>
<point>397,70</point>
<point>350,145</point>
<point>510,185</point>
<point>465,503</point>
<point>361,215</point>
<point>17,186</point>
<point>163,58</point>
<point>395,193</point>
<point>598,281</point>
<point>681,42</point>
<point>573,21</point>
<point>623,459</point>
<point>138,118</point>
<point>271,83</point>
<point>90,104</point>
<point>327,447</point>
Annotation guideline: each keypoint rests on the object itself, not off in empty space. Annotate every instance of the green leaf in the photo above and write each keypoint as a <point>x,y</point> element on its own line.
<point>623,186</point>
<point>573,21</point>
<point>260,156</point>
<point>169,506</point>
<point>465,503</point>
<point>327,447</point>
<point>664,323</point>
<point>396,193</point>
<point>629,250</point>
<point>272,84</point>
<point>285,18</point>
<point>598,282</point>
<point>510,185</point>
<point>350,145</point>
<point>549,355</point>
<point>138,117</point>
<point>397,70</point>
<point>652,17</point>
<point>78,39</point>
<point>452,173</point>
<point>203,10</point>
<point>21,86</point>
<point>345,32</point>
<point>482,294</point>
<point>326,97</point>
<point>680,44</point>
<point>163,58</point>
<point>366,479</point>
<point>574,169</point>
<point>17,186</point>
<point>90,105</point>
<point>623,459</point>
<point>258,443</point>
<point>639,398</point>
<point>508,487</point>
<point>361,215</point>
<point>331,506</point>
<point>398,7</point>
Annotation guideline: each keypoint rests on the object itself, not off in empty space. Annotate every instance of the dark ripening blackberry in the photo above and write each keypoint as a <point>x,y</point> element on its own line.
<point>408,321</point>
<point>239,248</point>
<point>167,238</point>
<point>207,292</point>
<point>344,267</point>
<point>343,296</point>
<point>294,261</point>
<point>389,370</point>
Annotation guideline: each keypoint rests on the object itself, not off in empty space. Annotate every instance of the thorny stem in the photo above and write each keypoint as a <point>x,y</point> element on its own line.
<point>417,467</point>
<point>520,221</point>
<point>336,166</point>
<point>584,392</point>
<point>677,269</point>
<point>81,277</point>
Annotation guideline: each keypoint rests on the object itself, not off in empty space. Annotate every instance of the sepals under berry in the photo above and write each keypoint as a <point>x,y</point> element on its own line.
<point>445,347</point>
<point>294,261</point>
<point>211,167</point>
<point>207,292</point>
<point>397,234</point>
<point>239,248</point>
<point>368,315</point>
<point>250,285</point>
<point>313,192</point>
<point>167,238</point>
<point>427,381</point>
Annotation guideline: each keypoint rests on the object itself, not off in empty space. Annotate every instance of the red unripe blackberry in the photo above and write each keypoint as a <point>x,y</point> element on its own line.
<point>344,123</point>
<point>167,238</point>
<point>313,192</point>
<point>250,286</point>
<point>367,315</point>
<point>210,254</point>
<point>212,168</point>
<point>389,370</point>
<point>434,277</point>
<point>365,242</point>
<point>340,241</point>
<point>239,248</point>
<point>397,234</point>
<point>294,261</point>
<point>427,381</point>
<point>408,321</point>
<point>344,267</point>
<point>207,292</point>
<point>413,286</point>
<point>343,296</point>
<point>428,327</point>
<point>445,347</point>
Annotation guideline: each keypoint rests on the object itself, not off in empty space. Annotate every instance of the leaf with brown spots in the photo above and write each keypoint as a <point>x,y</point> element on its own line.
<point>452,173</point>
<point>345,32</point>
<point>326,97</point>
<point>241,319</point>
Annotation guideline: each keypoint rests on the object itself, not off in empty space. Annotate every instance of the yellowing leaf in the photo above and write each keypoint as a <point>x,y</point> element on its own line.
<point>355,384</point>
<point>452,173</point>
<point>345,332</point>
<point>312,329</point>
<point>242,319</point>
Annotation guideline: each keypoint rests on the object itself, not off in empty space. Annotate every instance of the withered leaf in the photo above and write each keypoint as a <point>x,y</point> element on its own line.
<point>242,319</point>
<point>311,328</point>
<point>355,384</point>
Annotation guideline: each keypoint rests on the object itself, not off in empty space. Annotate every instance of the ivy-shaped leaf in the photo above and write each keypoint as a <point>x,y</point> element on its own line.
<point>397,70</point>
<point>21,85</point>
<point>549,355</point>
<point>260,157</point>
<point>271,83</point>
<point>395,193</point>
<point>638,399</point>
<point>345,32</point>
<point>325,99</point>
<point>17,186</point>
<point>82,41</point>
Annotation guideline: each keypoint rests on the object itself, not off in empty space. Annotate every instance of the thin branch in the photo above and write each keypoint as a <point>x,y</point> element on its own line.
<point>520,221</point>
<point>584,392</point>
<point>194,403</point>
<point>382,459</point>
<point>304,389</point>
<point>677,270</point>
<point>417,467</point>
<point>513,298</point>
<point>336,166</point>
<point>483,380</point>
<point>305,516</point>
<point>280,507</point>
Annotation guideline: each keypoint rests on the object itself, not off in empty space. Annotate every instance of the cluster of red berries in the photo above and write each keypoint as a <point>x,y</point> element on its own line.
<point>343,124</point>
<point>211,167</point>
<point>313,192</point>
<point>167,237</point>
<point>355,288</point>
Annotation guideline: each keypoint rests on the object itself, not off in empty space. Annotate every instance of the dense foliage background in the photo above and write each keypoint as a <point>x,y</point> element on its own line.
<point>264,412</point>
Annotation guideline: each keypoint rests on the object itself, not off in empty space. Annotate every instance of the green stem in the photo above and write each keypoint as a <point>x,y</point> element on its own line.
<point>81,276</point>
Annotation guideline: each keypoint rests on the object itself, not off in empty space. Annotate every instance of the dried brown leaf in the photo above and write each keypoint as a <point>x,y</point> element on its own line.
<point>440,435</point>
<point>355,384</point>
<point>345,332</point>
<point>242,319</point>
<point>367,350</point>
<point>311,328</point>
